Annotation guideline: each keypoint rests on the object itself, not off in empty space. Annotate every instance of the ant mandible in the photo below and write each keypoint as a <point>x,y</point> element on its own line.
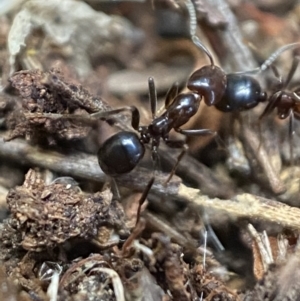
<point>122,152</point>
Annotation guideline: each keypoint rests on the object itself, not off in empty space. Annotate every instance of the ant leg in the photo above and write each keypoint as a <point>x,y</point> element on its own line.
<point>88,119</point>
<point>205,132</point>
<point>143,198</point>
<point>197,132</point>
<point>171,94</point>
<point>135,115</point>
<point>291,135</point>
<point>115,190</point>
<point>274,99</point>
<point>182,144</point>
<point>152,96</point>
<point>291,72</point>
<point>155,157</point>
<point>140,222</point>
<point>176,144</point>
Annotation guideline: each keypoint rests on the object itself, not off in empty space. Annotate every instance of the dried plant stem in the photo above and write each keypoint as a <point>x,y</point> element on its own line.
<point>80,165</point>
<point>239,55</point>
<point>246,206</point>
<point>86,166</point>
<point>252,140</point>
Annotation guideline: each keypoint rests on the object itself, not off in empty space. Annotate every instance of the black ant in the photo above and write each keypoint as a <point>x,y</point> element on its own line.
<point>122,152</point>
<point>233,92</point>
<point>228,92</point>
<point>287,102</point>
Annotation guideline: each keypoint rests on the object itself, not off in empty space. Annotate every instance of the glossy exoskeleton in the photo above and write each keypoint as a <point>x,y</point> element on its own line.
<point>227,92</point>
<point>230,92</point>
<point>287,102</point>
<point>242,92</point>
<point>122,152</point>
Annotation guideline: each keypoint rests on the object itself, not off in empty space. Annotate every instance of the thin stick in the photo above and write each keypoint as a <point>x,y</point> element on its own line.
<point>80,165</point>
<point>253,142</point>
<point>246,206</point>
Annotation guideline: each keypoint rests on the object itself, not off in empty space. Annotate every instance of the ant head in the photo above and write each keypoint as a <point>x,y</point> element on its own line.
<point>285,104</point>
<point>209,82</point>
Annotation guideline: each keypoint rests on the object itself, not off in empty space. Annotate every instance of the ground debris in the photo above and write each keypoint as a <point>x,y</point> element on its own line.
<point>44,216</point>
<point>47,92</point>
<point>63,241</point>
<point>181,280</point>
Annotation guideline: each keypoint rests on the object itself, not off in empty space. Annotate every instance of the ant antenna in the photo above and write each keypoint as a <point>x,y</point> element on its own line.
<point>193,26</point>
<point>199,44</point>
<point>275,55</point>
<point>193,16</point>
<point>270,60</point>
<point>152,96</point>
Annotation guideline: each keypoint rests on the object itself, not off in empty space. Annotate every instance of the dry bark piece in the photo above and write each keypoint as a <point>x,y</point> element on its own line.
<point>279,283</point>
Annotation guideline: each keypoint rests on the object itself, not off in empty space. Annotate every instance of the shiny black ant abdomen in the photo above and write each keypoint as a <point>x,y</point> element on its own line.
<point>227,92</point>
<point>120,153</point>
<point>242,93</point>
